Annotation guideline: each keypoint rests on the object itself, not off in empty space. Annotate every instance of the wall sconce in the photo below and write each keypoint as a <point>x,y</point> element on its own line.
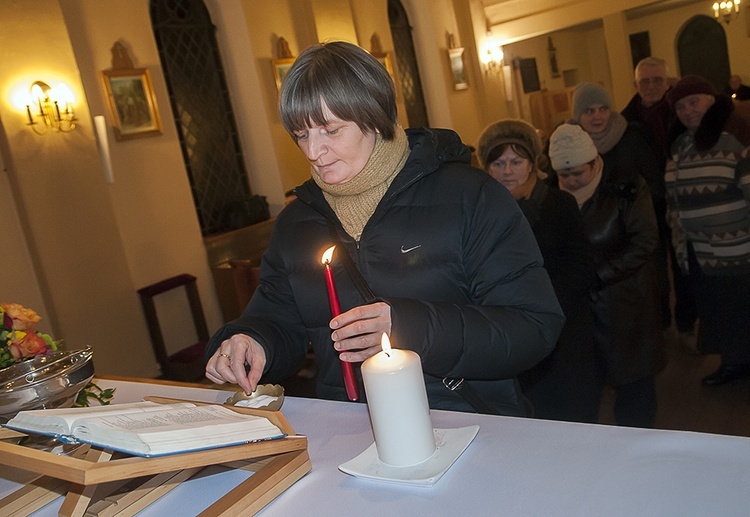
<point>50,109</point>
<point>492,55</point>
<point>727,10</point>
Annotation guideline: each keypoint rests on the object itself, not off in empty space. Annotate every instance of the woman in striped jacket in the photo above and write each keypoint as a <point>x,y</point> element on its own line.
<point>708,192</point>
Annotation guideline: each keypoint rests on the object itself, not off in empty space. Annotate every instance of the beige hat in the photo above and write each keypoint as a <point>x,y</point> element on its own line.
<point>570,146</point>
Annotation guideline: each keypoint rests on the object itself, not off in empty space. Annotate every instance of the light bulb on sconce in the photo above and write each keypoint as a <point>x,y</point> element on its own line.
<point>492,55</point>
<point>726,10</point>
<point>50,109</point>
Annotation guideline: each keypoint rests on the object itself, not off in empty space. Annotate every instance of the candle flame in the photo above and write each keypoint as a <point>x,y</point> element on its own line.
<point>328,255</point>
<point>385,343</point>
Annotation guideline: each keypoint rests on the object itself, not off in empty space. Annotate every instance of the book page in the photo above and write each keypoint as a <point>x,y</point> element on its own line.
<point>174,430</point>
<point>59,421</point>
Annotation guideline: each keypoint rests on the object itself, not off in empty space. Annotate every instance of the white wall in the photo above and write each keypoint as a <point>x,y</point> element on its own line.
<point>18,281</point>
<point>62,202</point>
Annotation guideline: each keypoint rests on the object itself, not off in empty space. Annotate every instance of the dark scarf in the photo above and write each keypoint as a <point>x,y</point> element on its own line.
<point>657,118</point>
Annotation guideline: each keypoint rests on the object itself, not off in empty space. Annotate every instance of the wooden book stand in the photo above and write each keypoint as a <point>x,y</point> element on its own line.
<point>92,479</point>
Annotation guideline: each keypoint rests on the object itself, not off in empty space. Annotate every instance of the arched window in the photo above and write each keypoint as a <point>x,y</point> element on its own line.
<point>203,116</point>
<point>406,64</point>
<point>702,50</point>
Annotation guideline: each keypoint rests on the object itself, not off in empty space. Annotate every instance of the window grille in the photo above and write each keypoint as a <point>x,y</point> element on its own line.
<point>203,116</point>
<point>406,64</point>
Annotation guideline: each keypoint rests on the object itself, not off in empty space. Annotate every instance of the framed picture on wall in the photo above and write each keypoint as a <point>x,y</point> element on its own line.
<point>132,103</point>
<point>456,56</point>
<point>280,69</point>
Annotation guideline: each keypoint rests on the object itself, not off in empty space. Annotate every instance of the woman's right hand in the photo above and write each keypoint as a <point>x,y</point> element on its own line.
<point>228,362</point>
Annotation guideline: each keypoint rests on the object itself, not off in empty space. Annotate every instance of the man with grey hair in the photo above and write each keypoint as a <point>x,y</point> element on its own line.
<point>650,108</point>
<point>649,105</point>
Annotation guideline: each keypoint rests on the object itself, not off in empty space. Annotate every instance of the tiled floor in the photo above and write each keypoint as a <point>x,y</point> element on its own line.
<point>685,404</point>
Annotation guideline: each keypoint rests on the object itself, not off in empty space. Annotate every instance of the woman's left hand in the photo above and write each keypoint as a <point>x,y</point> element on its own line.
<point>357,332</point>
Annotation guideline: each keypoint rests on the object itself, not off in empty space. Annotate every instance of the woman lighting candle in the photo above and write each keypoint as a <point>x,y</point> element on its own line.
<point>451,260</point>
<point>399,411</point>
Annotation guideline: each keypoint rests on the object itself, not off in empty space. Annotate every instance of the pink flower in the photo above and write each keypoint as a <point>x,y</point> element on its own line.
<point>15,352</point>
<point>20,317</point>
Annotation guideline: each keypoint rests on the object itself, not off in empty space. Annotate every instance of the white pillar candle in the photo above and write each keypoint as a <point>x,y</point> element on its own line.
<point>399,411</point>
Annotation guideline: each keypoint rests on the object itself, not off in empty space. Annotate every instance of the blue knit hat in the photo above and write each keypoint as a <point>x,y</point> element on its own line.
<point>586,95</point>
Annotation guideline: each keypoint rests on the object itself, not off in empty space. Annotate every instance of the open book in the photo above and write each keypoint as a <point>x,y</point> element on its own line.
<point>147,428</point>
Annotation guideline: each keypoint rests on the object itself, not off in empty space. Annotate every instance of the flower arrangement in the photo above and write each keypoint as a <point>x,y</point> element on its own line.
<point>19,339</point>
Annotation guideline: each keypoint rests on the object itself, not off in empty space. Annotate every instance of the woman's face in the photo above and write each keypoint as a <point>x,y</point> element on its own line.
<point>576,177</point>
<point>337,151</point>
<point>690,109</point>
<point>510,169</point>
<point>594,119</point>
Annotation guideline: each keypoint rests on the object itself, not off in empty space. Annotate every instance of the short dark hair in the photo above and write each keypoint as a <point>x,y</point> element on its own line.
<point>351,83</point>
<point>497,151</point>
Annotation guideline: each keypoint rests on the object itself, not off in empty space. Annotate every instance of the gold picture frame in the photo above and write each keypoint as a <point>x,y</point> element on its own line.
<point>458,71</point>
<point>132,103</point>
<point>280,69</point>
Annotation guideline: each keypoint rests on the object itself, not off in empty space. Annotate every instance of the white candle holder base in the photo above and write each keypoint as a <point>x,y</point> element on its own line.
<point>449,445</point>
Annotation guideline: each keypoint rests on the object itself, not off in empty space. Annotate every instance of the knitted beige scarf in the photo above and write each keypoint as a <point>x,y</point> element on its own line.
<point>612,134</point>
<point>355,201</point>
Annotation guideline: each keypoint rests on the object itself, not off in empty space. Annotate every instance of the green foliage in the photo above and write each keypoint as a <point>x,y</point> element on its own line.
<point>92,391</point>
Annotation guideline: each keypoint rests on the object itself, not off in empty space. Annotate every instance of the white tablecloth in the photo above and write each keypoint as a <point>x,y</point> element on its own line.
<point>515,467</point>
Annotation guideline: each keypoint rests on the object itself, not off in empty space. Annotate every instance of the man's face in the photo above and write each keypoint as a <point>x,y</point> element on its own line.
<point>651,84</point>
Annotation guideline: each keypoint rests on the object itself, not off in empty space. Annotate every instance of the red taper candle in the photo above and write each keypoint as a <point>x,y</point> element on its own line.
<point>347,369</point>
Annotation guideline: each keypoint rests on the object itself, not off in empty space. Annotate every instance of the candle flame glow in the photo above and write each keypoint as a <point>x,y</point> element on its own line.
<point>385,343</point>
<point>328,255</point>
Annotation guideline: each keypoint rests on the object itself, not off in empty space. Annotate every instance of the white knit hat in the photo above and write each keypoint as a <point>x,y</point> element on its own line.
<point>570,146</point>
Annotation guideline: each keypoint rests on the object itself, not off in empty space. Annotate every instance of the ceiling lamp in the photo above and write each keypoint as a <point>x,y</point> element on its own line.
<point>727,10</point>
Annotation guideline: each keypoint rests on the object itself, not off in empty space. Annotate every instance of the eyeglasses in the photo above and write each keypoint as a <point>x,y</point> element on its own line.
<point>651,80</point>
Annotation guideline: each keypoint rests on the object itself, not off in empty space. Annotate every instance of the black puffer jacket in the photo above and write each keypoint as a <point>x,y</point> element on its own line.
<point>620,223</point>
<point>447,248</point>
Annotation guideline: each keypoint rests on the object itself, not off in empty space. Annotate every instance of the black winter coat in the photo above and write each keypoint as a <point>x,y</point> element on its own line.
<point>634,153</point>
<point>620,223</point>
<point>564,385</point>
<point>447,248</point>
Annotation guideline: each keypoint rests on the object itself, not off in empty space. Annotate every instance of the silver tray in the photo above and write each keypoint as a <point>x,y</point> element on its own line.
<point>44,382</point>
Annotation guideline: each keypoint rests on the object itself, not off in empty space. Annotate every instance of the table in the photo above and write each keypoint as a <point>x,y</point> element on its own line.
<point>515,467</point>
